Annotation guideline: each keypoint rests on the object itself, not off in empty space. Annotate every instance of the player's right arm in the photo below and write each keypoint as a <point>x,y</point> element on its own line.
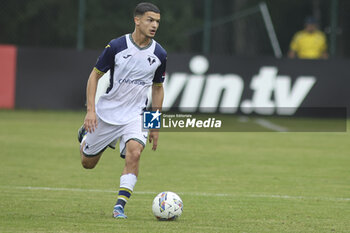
<point>90,122</point>
<point>104,63</point>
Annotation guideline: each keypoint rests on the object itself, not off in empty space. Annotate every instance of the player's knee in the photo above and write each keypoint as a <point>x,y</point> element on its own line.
<point>88,164</point>
<point>135,155</point>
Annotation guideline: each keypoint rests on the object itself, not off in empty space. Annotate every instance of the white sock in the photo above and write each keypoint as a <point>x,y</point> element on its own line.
<point>128,181</point>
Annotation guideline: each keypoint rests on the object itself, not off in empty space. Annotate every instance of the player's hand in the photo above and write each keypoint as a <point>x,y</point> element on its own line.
<point>153,136</point>
<point>90,122</point>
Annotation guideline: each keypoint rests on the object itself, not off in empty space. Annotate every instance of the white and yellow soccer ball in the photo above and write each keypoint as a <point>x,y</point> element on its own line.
<point>167,206</point>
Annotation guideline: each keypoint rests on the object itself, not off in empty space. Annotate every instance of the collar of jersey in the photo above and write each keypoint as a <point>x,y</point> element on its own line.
<point>143,48</point>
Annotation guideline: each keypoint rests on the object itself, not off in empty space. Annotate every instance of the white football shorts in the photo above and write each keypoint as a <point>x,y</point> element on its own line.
<point>108,135</point>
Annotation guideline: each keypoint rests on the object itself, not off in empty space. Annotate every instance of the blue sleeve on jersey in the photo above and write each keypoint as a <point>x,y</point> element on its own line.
<point>160,72</point>
<point>106,61</point>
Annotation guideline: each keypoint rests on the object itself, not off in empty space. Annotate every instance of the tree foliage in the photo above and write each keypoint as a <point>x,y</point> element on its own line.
<point>54,23</point>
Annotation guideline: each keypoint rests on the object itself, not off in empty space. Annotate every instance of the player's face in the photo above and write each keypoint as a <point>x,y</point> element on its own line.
<point>311,27</point>
<point>148,23</point>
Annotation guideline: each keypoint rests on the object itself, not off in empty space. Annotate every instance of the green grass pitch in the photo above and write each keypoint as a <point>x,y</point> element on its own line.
<point>229,182</point>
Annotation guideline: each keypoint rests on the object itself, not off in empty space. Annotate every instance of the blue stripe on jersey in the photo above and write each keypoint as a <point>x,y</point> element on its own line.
<point>106,61</point>
<point>111,74</point>
<point>160,72</point>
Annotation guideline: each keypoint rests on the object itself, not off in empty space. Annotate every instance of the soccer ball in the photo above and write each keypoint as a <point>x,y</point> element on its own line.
<point>167,206</point>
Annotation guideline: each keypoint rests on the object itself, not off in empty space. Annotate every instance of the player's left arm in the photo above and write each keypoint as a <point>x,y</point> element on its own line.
<point>158,91</point>
<point>157,102</point>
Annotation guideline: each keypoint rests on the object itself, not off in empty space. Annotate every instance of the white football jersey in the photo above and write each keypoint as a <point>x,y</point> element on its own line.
<point>133,70</point>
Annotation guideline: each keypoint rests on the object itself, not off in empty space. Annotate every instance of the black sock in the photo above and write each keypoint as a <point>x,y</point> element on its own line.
<point>121,202</point>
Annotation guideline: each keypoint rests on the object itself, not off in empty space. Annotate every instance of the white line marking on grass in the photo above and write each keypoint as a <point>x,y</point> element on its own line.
<point>243,119</point>
<point>335,199</point>
<point>300,197</point>
<point>269,125</point>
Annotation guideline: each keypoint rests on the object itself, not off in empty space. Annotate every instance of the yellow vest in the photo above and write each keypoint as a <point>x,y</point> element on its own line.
<point>309,45</point>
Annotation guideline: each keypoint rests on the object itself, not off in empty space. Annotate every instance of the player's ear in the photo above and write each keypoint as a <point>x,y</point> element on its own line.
<point>137,20</point>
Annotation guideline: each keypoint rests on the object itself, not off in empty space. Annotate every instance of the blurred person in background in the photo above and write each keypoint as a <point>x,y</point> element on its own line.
<point>309,43</point>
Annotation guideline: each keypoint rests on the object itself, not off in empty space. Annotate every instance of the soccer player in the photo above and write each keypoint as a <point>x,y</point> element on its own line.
<point>136,62</point>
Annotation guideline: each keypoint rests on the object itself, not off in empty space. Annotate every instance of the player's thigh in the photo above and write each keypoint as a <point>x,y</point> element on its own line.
<point>133,139</point>
<point>89,161</point>
<point>97,141</point>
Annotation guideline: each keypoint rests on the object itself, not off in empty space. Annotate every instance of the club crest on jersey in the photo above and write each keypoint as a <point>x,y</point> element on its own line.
<point>151,60</point>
